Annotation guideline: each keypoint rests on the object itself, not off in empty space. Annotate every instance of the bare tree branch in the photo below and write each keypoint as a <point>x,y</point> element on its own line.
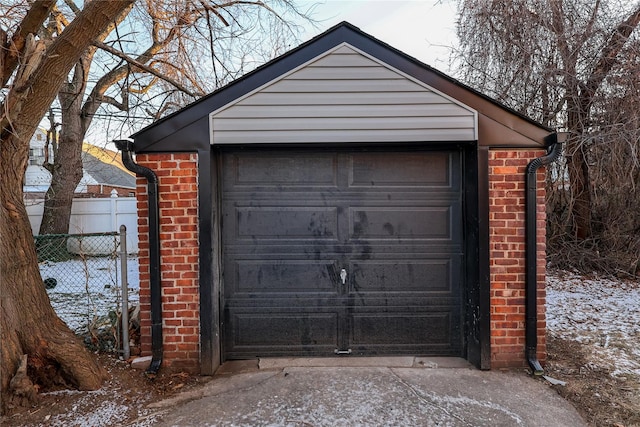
<point>31,23</point>
<point>143,67</point>
<point>609,55</point>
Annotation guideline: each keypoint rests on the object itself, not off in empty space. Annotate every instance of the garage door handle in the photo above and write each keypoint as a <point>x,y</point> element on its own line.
<point>343,276</point>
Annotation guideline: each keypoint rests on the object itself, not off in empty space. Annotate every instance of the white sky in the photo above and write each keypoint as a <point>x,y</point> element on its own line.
<point>424,29</point>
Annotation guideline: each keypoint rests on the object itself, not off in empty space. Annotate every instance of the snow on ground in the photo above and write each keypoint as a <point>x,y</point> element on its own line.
<point>602,314</point>
<point>89,289</point>
<point>109,406</point>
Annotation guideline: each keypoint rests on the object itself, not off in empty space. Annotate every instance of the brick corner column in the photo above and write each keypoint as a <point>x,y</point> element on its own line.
<point>507,215</point>
<point>179,253</point>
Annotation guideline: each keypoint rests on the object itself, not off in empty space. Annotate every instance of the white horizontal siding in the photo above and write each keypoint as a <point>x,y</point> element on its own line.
<point>345,58</point>
<point>345,73</point>
<point>290,110</point>
<point>340,136</point>
<point>386,99</point>
<point>343,97</point>
<point>344,123</point>
<point>341,86</point>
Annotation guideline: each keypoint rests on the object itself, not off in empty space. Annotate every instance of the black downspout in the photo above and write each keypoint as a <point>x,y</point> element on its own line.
<point>531,232</point>
<point>154,253</point>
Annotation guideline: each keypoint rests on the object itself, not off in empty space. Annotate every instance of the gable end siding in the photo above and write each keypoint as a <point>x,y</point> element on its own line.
<point>343,97</point>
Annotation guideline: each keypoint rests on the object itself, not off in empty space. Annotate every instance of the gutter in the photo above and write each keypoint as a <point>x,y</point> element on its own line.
<point>126,147</point>
<point>531,266</point>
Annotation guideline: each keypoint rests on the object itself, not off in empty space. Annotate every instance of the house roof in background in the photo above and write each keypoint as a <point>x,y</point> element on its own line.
<point>105,167</point>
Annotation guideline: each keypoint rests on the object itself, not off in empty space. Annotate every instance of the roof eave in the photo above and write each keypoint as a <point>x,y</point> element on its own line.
<point>518,130</point>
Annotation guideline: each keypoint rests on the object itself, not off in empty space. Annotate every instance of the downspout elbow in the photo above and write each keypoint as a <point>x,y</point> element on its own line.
<point>126,147</point>
<point>531,283</point>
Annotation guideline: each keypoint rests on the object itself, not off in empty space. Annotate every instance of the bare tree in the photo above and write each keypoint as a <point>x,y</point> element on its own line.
<point>32,71</point>
<point>48,50</point>
<point>572,65</point>
<point>192,47</point>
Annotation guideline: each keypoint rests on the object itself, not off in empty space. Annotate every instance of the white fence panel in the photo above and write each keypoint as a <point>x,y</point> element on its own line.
<point>95,216</point>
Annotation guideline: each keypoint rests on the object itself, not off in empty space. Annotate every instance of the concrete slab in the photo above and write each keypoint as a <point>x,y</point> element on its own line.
<point>238,367</point>
<point>371,396</point>
<point>356,362</point>
<point>327,362</point>
<point>441,362</point>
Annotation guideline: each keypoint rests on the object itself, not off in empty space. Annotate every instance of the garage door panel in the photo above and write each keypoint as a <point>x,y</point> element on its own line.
<point>269,277</point>
<point>356,249</point>
<point>413,302</point>
<point>401,328</point>
<point>291,169</point>
<point>401,276</point>
<point>410,169</point>
<point>282,332</point>
<point>298,303</point>
<point>400,223</point>
<point>258,223</point>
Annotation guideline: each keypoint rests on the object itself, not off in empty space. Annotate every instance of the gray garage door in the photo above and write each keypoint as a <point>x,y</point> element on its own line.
<point>341,252</point>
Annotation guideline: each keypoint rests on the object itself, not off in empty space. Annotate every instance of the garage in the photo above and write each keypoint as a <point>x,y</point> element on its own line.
<point>342,200</point>
<point>342,252</point>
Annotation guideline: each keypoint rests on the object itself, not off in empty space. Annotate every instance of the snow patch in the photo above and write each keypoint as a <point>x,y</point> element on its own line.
<point>89,289</point>
<point>600,313</point>
<point>89,410</point>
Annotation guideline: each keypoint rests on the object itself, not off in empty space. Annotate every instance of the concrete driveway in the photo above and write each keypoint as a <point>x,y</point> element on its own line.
<point>397,391</point>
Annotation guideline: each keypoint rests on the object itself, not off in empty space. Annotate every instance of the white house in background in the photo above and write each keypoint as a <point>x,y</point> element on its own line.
<point>37,178</point>
<point>102,171</point>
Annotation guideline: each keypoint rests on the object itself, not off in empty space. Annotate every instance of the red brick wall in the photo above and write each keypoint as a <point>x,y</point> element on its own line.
<point>507,256</point>
<point>178,201</point>
<point>177,175</point>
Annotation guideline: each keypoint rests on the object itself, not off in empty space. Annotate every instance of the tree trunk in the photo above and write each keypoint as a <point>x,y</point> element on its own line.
<point>66,172</point>
<point>28,323</point>
<point>578,168</point>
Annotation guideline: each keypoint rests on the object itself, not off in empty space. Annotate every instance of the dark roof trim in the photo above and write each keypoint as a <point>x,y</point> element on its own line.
<point>192,121</point>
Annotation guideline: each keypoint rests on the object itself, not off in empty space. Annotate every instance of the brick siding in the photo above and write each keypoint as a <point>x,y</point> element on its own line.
<point>507,256</point>
<point>178,186</point>
<point>178,202</point>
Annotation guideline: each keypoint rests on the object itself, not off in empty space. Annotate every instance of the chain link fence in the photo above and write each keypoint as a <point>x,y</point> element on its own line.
<point>82,274</point>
